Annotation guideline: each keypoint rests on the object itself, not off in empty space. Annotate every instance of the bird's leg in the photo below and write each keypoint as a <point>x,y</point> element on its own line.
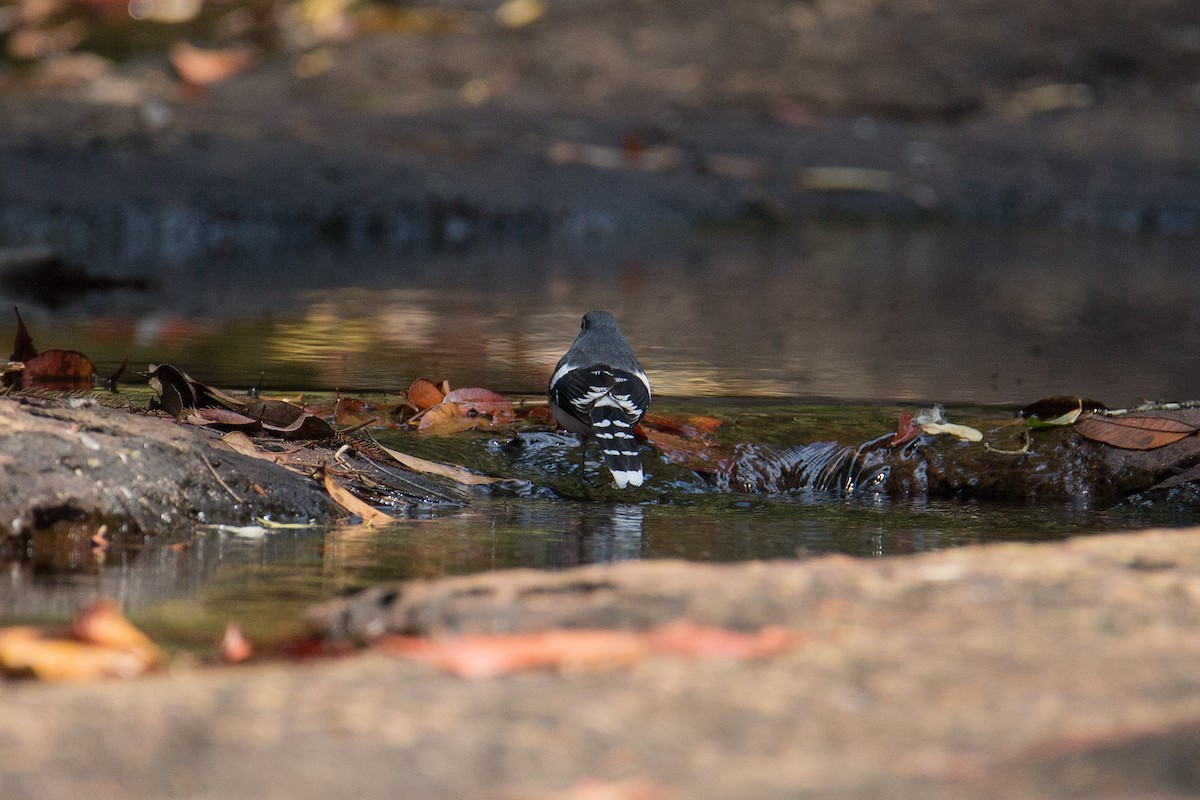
<point>583,447</point>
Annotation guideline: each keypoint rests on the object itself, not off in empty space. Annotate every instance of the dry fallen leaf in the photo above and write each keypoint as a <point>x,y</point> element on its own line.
<point>342,496</point>
<point>423,394</point>
<point>1133,431</point>
<point>447,418</point>
<point>457,474</point>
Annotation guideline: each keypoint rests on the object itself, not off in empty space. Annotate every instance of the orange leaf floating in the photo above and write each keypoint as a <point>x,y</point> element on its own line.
<point>1134,431</point>
<point>701,641</point>
<point>422,394</point>
<point>482,656</point>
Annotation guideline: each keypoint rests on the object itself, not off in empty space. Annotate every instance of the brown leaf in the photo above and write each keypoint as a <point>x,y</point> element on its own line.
<point>173,388</point>
<point>476,401</point>
<point>352,411</point>
<point>292,422</point>
<point>457,474</point>
<point>1134,431</point>
<point>239,442</point>
<point>65,370</point>
<point>422,394</point>
<point>447,418</point>
<point>221,418</point>
<point>342,496</point>
<point>485,656</point>
<point>23,348</point>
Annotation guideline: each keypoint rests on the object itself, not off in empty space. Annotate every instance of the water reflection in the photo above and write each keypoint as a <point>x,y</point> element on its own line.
<point>860,313</point>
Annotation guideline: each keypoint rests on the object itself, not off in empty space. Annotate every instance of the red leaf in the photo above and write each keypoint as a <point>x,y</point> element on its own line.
<point>906,430</point>
<point>1134,432</point>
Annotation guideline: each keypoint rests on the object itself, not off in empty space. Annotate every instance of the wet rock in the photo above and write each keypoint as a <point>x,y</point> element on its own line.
<point>77,459</point>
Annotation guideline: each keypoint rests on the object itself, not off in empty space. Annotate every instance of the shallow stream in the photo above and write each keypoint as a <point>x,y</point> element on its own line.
<point>821,333</point>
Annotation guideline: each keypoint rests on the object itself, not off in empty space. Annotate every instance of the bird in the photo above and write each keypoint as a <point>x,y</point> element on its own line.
<point>599,389</point>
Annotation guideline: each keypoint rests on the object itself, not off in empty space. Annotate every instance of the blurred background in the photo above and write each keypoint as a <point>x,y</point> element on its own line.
<point>965,201</point>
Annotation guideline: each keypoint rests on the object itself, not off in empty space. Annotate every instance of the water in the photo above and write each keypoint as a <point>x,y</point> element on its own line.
<point>728,323</point>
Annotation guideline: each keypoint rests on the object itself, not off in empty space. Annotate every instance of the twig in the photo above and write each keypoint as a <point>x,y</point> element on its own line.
<point>224,485</point>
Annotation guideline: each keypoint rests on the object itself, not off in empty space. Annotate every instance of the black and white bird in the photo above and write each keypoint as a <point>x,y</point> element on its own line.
<point>599,389</point>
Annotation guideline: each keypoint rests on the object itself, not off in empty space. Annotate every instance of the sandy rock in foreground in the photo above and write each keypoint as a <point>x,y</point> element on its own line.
<point>995,671</point>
